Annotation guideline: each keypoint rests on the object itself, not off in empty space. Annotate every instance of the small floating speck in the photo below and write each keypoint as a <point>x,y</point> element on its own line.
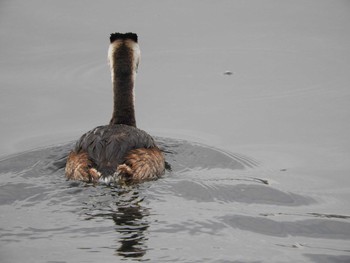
<point>228,73</point>
<point>297,245</point>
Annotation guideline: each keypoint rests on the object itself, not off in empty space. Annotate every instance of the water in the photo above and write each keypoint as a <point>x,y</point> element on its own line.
<point>258,159</point>
<point>210,206</point>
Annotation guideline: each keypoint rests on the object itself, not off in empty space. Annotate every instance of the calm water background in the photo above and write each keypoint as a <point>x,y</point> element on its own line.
<point>259,158</point>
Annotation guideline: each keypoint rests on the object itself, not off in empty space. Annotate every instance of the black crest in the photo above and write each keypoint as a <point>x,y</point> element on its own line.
<point>129,35</point>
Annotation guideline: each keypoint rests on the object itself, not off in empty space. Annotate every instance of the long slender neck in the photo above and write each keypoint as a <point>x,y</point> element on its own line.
<point>123,72</point>
<point>123,99</point>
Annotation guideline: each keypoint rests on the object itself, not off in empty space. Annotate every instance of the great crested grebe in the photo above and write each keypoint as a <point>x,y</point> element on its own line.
<point>118,150</point>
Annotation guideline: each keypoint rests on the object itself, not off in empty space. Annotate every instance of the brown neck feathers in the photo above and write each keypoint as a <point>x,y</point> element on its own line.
<point>123,57</point>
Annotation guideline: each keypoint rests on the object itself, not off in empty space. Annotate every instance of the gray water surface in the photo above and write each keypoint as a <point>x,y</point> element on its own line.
<point>207,201</point>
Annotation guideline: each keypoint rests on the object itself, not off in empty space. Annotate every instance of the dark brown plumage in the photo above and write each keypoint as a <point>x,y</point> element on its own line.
<point>115,36</point>
<point>118,151</point>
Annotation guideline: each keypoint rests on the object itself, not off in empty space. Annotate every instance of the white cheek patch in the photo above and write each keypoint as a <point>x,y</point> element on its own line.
<point>111,50</point>
<point>136,53</point>
<point>133,46</point>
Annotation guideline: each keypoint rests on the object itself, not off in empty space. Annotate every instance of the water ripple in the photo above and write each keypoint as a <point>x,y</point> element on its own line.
<point>206,194</point>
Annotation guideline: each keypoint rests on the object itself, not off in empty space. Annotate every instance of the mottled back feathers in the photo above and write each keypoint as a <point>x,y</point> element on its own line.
<point>108,145</point>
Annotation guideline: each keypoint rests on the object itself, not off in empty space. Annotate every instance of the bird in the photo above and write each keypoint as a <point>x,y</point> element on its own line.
<point>119,151</point>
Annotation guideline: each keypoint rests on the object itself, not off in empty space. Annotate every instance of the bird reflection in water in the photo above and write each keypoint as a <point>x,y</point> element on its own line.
<point>123,206</point>
<point>131,226</point>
